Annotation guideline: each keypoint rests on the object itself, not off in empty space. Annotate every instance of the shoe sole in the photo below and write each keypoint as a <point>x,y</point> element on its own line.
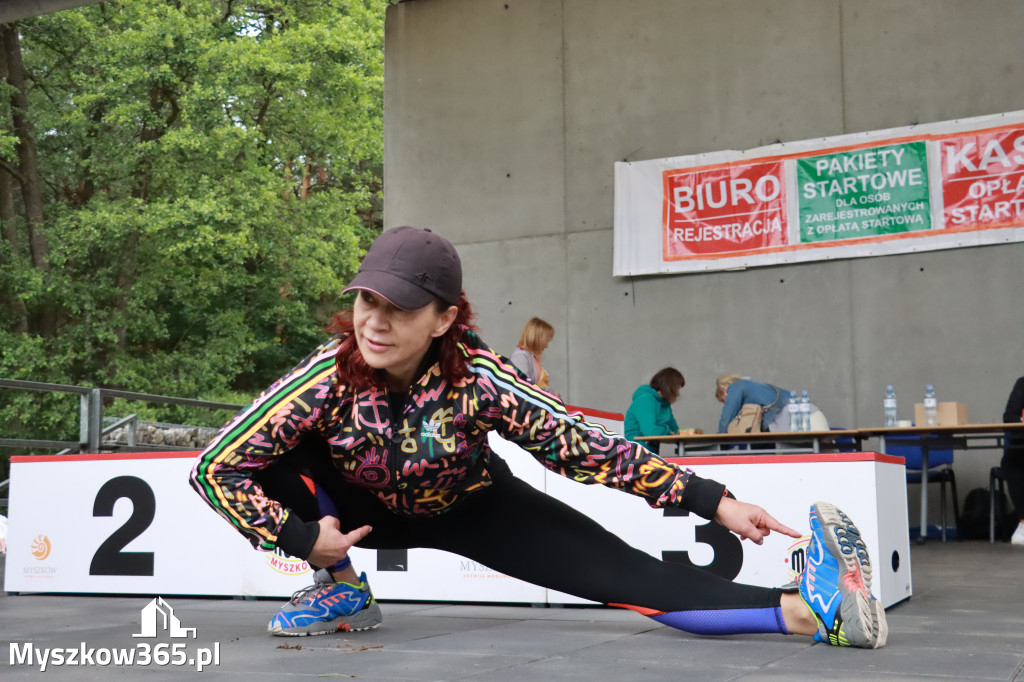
<point>367,619</point>
<point>865,613</point>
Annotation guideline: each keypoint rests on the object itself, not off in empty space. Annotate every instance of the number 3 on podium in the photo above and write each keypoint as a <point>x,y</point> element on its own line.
<point>728,548</point>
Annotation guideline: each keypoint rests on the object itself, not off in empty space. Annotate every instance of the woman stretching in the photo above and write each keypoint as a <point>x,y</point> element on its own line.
<point>379,439</point>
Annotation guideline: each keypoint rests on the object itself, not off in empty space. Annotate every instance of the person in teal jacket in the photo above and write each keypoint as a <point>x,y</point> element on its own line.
<point>650,413</point>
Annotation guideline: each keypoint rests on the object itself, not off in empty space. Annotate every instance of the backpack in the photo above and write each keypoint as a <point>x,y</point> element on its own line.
<point>974,519</point>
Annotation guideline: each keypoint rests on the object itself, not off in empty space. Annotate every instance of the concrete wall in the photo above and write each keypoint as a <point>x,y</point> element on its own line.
<point>13,10</point>
<point>503,119</point>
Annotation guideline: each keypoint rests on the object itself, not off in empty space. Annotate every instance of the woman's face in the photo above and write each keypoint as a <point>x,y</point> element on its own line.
<point>543,347</point>
<point>673,395</point>
<point>396,340</point>
<point>720,393</point>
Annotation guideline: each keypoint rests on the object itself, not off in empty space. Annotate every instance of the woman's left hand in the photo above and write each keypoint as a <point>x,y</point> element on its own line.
<point>331,544</point>
<point>749,521</point>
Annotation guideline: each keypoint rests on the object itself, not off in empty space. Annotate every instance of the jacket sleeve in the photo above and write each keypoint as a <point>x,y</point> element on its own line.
<point>1015,403</point>
<point>1012,414</point>
<point>539,422</point>
<point>731,407</point>
<point>270,426</point>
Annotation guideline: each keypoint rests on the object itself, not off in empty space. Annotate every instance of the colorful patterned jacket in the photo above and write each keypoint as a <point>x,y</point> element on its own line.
<point>434,454</point>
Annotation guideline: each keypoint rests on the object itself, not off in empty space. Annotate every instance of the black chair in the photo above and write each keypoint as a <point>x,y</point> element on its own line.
<point>844,443</point>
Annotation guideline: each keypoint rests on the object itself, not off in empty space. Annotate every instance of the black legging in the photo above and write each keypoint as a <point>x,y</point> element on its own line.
<point>1012,465</point>
<point>1013,455</point>
<point>513,528</point>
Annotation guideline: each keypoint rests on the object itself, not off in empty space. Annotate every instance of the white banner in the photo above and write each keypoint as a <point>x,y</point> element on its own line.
<point>919,188</point>
<point>130,524</point>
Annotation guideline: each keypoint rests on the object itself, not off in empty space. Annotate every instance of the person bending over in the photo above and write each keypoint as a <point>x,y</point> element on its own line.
<point>378,439</point>
<point>734,392</point>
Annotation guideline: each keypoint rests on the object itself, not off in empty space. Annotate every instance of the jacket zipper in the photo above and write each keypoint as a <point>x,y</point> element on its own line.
<point>395,449</point>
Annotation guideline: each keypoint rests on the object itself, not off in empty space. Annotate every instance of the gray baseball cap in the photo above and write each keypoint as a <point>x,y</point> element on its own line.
<point>411,267</point>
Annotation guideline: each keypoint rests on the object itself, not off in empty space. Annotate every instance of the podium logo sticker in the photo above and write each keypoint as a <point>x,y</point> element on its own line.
<point>40,547</point>
<point>287,564</point>
<point>471,569</point>
<point>796,557</point>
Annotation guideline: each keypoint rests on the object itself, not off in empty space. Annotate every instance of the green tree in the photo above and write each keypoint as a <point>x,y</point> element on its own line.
<point>185,188</point>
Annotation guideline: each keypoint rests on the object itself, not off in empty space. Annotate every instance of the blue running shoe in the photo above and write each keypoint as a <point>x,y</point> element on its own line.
<point>836,585</point>
<point>327,606</point>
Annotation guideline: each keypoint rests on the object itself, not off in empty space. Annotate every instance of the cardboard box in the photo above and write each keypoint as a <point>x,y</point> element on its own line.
<point>950,414</point>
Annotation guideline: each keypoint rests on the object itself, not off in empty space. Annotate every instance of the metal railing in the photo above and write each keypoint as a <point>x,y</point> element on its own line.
<point>90,420</point>
<point>132,424</point>
<point>90,417</point>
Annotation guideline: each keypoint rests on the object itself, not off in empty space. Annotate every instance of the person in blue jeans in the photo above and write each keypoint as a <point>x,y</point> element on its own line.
<point>734,392</point>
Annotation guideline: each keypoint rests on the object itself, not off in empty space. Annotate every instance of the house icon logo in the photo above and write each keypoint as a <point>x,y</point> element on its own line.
<point>158,615</point>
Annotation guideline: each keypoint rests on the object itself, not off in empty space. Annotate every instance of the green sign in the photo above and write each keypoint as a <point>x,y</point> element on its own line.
<point>864,193</point>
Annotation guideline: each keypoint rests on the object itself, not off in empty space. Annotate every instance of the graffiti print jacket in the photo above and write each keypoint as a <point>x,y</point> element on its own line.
<point>423,461</point>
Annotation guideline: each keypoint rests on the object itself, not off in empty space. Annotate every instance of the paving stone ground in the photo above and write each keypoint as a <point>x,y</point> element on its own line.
<point>965,621</point>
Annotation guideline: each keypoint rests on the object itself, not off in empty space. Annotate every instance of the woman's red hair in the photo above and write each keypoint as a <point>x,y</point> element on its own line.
<point>355,373</point>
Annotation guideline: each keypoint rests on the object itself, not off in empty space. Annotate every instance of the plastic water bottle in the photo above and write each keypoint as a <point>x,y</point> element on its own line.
<point>931,407</point>
<point>890,407</point>
<point>794,413</point>
<point>805,412</point>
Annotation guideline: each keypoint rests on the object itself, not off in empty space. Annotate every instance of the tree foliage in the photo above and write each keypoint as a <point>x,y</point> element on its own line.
<point>209,172</point>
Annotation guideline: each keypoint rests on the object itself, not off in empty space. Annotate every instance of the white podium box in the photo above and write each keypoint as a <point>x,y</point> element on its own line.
<point>869,487</point>
<point>131,524</point>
